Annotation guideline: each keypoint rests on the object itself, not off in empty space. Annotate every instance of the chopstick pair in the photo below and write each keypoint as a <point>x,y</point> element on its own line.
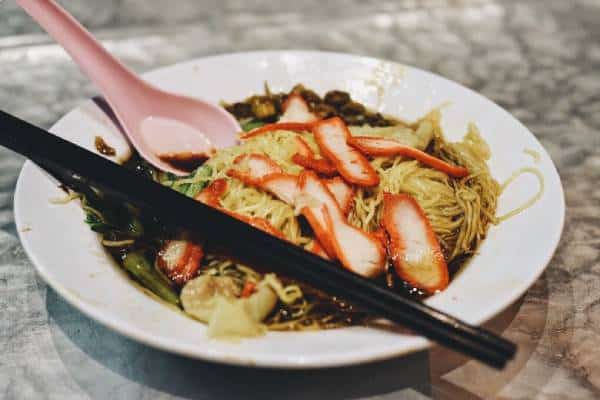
<point>76,166</point>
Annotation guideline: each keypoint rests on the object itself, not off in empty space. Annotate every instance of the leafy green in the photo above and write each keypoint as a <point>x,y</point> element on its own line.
<point>182,188</point>
<point>202,176</point>
<point>114,220</point>
<point>252,124</point>
<point>117,221</point>
<point>95,222</point>
<point>143,271</point>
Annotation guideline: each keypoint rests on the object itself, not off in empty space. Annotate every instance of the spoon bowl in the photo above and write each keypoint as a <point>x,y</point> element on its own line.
<point>174,133</point>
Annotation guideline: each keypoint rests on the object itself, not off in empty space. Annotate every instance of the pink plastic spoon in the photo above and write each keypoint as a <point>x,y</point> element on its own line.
<point>172,132</point>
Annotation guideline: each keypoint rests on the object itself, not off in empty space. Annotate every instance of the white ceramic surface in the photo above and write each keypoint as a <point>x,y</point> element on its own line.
<point>69,257</point>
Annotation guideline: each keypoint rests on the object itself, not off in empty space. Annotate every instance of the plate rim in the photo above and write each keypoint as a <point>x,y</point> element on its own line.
<point>132,332</point>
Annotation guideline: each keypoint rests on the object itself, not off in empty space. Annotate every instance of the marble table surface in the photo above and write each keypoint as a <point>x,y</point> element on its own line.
<point>540,59</point>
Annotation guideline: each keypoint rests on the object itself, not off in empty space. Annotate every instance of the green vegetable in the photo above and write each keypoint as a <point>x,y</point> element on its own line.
<point>183,188</point>
<point>95,222</point>
<point>252,124</point>
<point>194,189</point>
<point>141,269</point>
<point>115,220</point>
<point>191,184</point>
<point>202,177</point>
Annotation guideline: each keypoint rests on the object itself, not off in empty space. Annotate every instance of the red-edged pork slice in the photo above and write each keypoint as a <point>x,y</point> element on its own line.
<point>357,250</point>
<point>295,109</point>
<point>306,158</point>
<point>212,193</point>
<point>315,195</point>
<point>251,168</point>
<point>380,235</point>
<point>343,193</point>
<point>313,198</point>
<point>317,249</point>
<point>332,136</point>
<point>180,260</point>
<point>320,165</point>
<point>378,146</point>
<point>414,248</point>
<point>283,186</point>
<point>278,126</point>
<point>303,147</point>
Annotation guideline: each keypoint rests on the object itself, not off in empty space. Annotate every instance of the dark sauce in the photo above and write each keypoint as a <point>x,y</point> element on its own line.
<point>104,148</point>
<point>185,161</point>
<point>328,311</point>
<point>140,166</point>
<point>456,265</point>
<point>393,282</point>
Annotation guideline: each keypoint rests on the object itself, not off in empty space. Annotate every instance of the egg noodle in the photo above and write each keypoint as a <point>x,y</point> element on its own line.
<point>460,210</point>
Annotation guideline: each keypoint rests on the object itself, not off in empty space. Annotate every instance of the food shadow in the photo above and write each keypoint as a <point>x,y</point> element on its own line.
<point>107,365</point>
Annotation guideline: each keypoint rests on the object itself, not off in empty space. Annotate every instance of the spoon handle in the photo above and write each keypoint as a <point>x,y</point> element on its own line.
<point>115,81</point>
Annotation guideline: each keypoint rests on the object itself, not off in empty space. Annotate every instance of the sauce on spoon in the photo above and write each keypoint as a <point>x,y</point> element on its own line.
<point>178,144</point>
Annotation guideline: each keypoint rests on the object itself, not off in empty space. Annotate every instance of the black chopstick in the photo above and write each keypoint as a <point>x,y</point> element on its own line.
<point>74,165</point>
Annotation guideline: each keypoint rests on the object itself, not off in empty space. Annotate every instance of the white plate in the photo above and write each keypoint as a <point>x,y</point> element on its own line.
<point>68,256</point>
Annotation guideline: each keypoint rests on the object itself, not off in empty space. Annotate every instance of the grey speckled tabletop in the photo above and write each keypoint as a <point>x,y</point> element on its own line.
<point>539,59</point>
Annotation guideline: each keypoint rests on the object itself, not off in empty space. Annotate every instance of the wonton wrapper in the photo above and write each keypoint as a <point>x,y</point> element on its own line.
<point>214,300</point>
